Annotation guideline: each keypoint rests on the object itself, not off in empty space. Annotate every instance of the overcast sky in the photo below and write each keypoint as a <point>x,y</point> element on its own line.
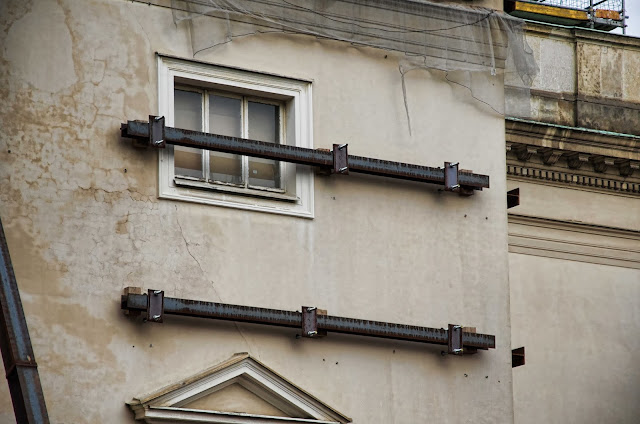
<point>633,23</point>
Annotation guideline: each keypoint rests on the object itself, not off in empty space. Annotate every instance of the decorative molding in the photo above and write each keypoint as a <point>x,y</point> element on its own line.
<point>550,157</point>
<point>600,163</point>
<point>574,241</point>
<point>572,139</point>
<point>572,179</point>
<point>576,160</point>
<point>627,167</point>
<point>171,404</point>
<point>573,157</point>
<point>524,152</point>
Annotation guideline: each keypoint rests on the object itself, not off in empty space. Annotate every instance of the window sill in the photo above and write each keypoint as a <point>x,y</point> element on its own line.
<point>252,200</point>
<point>252,192</point>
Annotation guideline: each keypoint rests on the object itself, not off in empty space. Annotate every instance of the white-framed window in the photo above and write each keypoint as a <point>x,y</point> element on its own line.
<point>239,103</point>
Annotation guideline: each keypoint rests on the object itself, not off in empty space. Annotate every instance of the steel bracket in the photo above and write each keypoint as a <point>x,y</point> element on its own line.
<point>309,321</point>
<point>451,181</point>
<point>340,159</point>
<point>455,339</point>
<point>451,176</point>
<point>155,305</point>
<point>156,132</point>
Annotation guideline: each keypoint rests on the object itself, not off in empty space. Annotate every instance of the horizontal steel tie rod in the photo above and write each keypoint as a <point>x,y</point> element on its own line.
<point>326,323</point>
<point>156,134</point>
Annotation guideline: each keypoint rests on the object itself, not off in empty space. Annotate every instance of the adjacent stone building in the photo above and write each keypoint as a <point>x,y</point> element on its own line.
<point>574,241</point>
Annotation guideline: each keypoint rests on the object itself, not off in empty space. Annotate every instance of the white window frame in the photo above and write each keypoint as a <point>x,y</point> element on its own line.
<point>297,99</point>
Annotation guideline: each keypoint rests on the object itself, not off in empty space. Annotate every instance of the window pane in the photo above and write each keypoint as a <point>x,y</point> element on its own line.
<point>225,118</point>
<point>188,115</point>
<point>264,125</point>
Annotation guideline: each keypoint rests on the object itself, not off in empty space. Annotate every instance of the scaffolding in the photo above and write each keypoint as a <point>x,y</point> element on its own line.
<point>582,4</point>
<point>605,15</point>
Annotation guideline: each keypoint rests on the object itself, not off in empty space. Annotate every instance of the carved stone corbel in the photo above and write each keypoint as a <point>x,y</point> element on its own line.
<point>523,152</point>
<point>550,156</point>
<point>627,167</point>
<point>576,160</point>
<point>601,163</point>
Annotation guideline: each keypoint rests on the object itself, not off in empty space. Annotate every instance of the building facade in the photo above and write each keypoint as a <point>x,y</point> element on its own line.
<point>573,240</point>
<point>91,214</point>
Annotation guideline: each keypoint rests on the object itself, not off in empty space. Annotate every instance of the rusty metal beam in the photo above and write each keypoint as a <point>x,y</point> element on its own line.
<point>140,130</point>
<point>292,319</point>
<point>17,353</point>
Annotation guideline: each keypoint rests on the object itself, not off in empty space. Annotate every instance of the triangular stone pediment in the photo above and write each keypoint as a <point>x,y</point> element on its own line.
<point>235,398</point>
<point>240,390</point>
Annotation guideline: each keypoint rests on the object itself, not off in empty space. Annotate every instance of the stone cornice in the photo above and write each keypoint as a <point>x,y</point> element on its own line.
<point>575,157</point>
<point>582,34</point>
<point>571,139</point>
<point>573,180</point>
<point>566,160</point>
<point>574,241</point>
<point>574,226</point>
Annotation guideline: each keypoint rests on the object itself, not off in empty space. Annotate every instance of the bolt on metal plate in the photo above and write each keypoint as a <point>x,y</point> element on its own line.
<point>155,305</point>
<point>309,321</point>
<point>156,131</point>
<point>451,176</point>
<point>455,339</point>
<point>340,159</point>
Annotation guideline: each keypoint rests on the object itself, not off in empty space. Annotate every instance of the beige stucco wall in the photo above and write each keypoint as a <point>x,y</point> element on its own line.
<point>574,272</point>
<point>81,213</point>
<point>575,205</point>
<point>578,322</point>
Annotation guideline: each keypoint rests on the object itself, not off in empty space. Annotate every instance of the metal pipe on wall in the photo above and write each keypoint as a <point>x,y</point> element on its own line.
<point>157,305</point>
<point>155,134</point>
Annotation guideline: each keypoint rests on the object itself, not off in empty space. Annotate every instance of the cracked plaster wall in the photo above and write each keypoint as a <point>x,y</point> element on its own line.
<point>81,213</point>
